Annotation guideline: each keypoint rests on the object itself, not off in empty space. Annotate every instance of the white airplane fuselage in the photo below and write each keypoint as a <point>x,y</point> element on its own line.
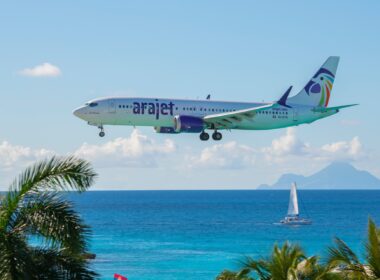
<point>160,112</point>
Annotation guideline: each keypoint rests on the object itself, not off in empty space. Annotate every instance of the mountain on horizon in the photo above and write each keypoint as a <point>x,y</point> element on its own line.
<point>337,175</point>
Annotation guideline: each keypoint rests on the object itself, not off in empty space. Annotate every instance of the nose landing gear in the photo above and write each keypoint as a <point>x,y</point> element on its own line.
<point>101,133</point>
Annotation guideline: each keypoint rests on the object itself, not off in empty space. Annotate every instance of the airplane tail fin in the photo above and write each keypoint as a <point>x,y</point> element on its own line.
<point>318,90</point>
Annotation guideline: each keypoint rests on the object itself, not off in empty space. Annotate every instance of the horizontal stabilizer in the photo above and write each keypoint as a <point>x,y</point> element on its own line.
<point>337,108</point>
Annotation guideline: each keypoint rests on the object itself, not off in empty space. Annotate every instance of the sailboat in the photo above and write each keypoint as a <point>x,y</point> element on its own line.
<point>292,218</point>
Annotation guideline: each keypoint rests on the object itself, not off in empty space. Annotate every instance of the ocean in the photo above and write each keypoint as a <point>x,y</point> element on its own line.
<point>196,234</point>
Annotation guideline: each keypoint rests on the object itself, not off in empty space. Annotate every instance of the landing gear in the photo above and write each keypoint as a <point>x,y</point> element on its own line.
<point>217,136</point>
<point>204,136</point>
<point>101,133</point>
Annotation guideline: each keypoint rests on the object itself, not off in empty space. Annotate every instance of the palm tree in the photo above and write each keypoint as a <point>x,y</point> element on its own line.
<point>281,265</point>
<point>285,263</point>
<point>347,263</point>
<point>41,236</point>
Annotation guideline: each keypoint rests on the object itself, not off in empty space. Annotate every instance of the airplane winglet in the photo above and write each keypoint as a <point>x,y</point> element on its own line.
<point>284,97</point>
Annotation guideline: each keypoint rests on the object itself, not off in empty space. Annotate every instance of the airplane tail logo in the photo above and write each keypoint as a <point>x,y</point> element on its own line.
<point>317,91</point>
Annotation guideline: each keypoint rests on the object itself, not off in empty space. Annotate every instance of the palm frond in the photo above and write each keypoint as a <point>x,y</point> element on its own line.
<point>54,264</point>
<point>373,249</point>
<point>232,275</point>
<point>50,216</point>
<point>342,259</point>
<point>14,257</point>
<point>259,267</point>
<point>341,254</point>
<point>55,174</point>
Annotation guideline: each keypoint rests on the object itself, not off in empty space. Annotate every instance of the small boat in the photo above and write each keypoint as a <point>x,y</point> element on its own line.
<point>293,217</point>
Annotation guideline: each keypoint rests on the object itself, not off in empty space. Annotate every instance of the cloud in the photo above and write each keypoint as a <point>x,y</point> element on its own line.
<point>136,151</point>
<point>289,147</point>
<point>285,151</point>
<point>343,150</point>
<point>287,144</point>
<point>44,70</point>
<point>229,155</point>
<point>12,156</point>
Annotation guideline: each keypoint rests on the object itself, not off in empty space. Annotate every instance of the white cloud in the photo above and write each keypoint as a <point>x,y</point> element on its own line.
<point>287,144</point>
<point>290,148</point>
<point>228,155</point>
<point>12,156</point>
<point>136,151</point>
<point>286,151</point>
<point>44,70</point>
<point>343,150</point>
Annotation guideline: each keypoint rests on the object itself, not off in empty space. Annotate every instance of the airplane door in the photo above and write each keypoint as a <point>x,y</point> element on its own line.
<point>111,106</point>
<point>295,114</point>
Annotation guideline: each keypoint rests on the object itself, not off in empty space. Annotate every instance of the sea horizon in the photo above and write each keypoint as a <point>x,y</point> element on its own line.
<point>164,190</point>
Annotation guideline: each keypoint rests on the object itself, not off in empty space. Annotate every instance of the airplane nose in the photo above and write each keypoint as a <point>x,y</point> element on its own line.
<point>79,112</point>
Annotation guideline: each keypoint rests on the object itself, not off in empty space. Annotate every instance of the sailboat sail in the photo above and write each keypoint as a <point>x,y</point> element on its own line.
<point>293,201</point>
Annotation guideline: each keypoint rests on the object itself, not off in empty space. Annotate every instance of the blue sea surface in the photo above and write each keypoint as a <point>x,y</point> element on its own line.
<point>196,234</point>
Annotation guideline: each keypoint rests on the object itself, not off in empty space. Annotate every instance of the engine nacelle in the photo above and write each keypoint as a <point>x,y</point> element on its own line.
<point>165,129</point>
<point>188,124</point>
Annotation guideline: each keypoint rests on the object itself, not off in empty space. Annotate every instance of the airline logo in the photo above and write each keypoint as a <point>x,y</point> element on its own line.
<point>321,83</point>
<point>157,109</point>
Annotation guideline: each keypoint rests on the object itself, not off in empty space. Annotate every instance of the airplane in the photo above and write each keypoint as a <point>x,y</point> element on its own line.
<point>174,116</point>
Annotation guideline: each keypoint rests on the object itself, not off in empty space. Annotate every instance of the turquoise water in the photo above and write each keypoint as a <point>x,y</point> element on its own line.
<point>196,234</point>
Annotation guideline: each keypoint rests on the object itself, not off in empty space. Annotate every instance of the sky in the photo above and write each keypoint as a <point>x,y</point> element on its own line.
<point>56,55</point>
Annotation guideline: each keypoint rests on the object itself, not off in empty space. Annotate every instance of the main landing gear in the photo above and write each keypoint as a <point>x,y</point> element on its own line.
<point>101,133</point>
<point>204,136</point>
<point>217,136</point>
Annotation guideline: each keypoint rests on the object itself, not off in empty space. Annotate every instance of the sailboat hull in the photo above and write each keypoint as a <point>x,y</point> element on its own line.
<point>296,222</point>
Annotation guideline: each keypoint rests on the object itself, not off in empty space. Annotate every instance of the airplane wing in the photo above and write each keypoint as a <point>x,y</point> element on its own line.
<point>231,119</point>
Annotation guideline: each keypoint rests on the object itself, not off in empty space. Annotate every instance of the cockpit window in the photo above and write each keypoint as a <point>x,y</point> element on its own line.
<point>93,104</point>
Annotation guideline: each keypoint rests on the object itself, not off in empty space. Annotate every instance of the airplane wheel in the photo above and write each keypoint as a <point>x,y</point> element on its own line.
<point>101,134</point>
<point>217,136</point>
<point>204,136</point>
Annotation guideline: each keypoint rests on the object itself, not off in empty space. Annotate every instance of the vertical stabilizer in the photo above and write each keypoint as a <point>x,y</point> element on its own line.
<point>317,91</point>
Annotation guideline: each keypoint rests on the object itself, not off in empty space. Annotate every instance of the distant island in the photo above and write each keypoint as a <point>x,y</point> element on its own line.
<point>337,175</point>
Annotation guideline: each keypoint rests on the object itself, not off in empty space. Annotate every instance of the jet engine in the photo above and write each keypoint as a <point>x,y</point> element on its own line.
<point>188,124</point>
<point>165,129</point>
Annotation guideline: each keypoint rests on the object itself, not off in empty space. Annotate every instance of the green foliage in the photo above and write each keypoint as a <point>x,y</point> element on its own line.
<point>34,207</point>
<point>231,275</point>
<point>290,263</point>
